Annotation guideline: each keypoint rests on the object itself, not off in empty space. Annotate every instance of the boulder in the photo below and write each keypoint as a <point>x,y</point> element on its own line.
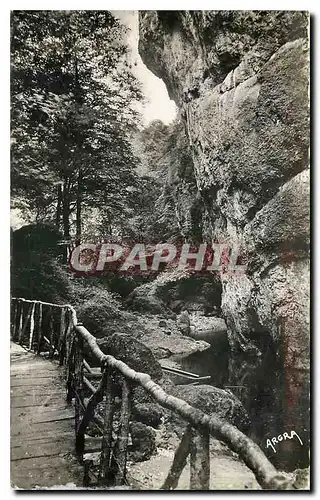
<point>147,413</point>
<point>145,301</point>
<point>175,290</point>
<point>183,322</point>
<point>99,312</point>
<point>214,401</point>
<point>132,352</point>
<point>210,329</point>
<point>143,442</point>
<point>167,341</point>
<point>279,233</point>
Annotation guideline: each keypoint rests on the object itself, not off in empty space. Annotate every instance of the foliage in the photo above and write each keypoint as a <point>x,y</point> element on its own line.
<point>37,270</point>
<point>73,97</point>
<point>166,159</point>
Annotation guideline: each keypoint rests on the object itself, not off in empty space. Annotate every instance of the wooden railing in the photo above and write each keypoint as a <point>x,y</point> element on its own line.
<point>44,327</point>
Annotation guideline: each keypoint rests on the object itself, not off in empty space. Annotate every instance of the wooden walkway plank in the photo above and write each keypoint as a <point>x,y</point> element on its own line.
<point>42,425</point>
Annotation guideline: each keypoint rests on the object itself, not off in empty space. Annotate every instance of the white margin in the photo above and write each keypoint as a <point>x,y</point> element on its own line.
<point>311,6</point>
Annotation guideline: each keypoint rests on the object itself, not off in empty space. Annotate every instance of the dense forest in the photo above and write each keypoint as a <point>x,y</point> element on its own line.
<point>231,168</point>
<point>82,163</point>
<point>80,158</point>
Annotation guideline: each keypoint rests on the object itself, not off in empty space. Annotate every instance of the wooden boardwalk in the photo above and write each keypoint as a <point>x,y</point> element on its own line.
<point>42,425</point>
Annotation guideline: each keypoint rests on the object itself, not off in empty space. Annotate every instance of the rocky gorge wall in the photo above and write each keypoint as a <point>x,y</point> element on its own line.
<point>240,80</point>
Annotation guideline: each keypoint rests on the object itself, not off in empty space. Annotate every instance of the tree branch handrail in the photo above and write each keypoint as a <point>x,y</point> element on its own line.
<point>251,454</point>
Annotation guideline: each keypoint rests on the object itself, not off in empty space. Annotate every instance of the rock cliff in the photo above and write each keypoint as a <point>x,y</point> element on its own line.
<point>240,80</point>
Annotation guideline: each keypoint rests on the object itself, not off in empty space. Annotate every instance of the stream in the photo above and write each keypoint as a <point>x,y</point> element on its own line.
<point>261,392</point>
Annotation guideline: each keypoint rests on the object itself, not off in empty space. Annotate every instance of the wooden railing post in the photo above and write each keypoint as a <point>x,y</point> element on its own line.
<point>78,382</point>
<point>26,322</point>
<point>51,333</point>
<point>70,356</point>
<point>62,337</point>
<point>14,319</point>
<point>69,334</point>
<point>20,322</point>
<point>179,460</point>
<point>107,430</point>
<point>31,326</point>
<point>200,425</point>
<point>70,372</point>
<point>95,399</point>
<point>14,311</point>
<point>200,461</point>
<point>123,436</point>
<point>39,329</point>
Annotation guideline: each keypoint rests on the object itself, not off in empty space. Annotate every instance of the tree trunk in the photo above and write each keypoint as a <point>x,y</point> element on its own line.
<point>78,209</point>
<point>59,203</point>
<point>66,211</point>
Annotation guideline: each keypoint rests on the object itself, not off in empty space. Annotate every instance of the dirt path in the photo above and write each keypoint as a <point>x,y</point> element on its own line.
<point>226,473</point>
